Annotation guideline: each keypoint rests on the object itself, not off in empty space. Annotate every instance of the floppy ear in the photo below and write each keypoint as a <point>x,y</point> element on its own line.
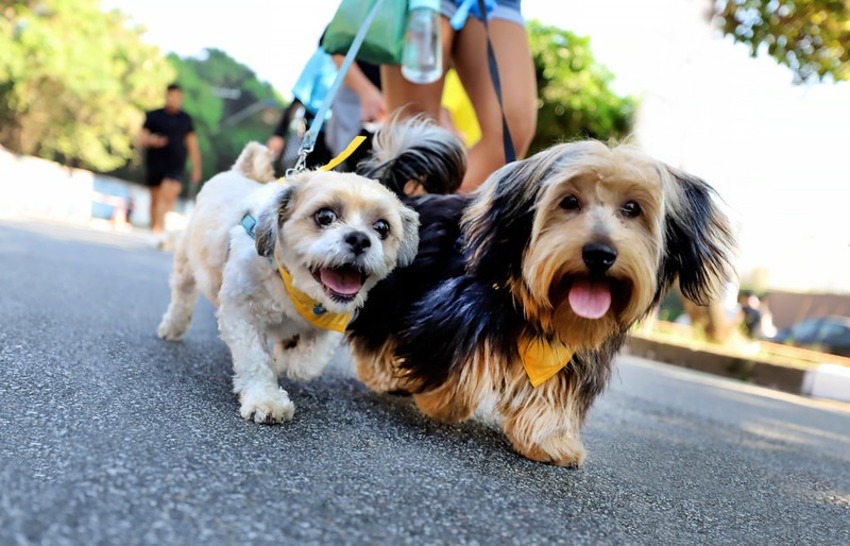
<point>409,238</point>
<point>698,239</point>
<point>270,220</point>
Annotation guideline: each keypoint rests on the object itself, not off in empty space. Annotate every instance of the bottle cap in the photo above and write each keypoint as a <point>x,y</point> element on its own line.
<point>427,4</point>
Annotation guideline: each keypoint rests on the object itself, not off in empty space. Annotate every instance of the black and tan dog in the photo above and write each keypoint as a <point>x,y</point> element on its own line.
<point>521,294</point>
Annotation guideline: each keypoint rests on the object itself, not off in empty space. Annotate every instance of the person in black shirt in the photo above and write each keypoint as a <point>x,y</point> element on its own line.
<point>167,136</point>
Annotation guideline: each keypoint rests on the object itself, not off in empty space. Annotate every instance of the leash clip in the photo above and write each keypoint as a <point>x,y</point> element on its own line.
<point>300,163</point>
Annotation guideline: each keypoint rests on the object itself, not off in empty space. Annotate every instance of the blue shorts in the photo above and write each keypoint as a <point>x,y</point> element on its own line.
<point>506,10</point>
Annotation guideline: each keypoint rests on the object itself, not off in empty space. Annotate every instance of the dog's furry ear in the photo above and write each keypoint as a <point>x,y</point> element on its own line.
<point>256,162</point>
<point>409,246</point>
<point>270,220</point>
<point>699,243</point>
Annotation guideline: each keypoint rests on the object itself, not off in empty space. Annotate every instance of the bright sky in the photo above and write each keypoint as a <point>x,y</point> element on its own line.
<point>777,153</point>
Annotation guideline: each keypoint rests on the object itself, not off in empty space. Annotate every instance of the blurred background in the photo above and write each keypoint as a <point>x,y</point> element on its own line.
<point>751,96</point>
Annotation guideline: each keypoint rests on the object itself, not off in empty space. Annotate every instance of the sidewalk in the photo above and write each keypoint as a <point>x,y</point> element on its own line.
<point>780,367</point>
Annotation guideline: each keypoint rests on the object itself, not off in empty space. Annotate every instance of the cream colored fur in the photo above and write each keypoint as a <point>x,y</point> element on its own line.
<point>257,319</point>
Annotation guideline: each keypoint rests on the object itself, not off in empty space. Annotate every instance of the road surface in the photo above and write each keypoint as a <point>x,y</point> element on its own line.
<point>110,436</point>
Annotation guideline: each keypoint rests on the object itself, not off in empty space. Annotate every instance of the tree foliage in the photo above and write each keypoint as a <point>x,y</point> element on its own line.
<point>227,103</point>
<point>811,37</point>
<point>575,99</point>
<point>74,81</point>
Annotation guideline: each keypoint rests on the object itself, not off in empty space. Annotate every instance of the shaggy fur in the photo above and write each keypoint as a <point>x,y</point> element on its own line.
<point>573,245</point>
<point>337,235</point>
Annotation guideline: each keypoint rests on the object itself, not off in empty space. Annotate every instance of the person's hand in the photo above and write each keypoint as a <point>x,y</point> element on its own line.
<point>275,144</point>
<point>372,106</point>
<point>157,141</point>
<point>196,176</point>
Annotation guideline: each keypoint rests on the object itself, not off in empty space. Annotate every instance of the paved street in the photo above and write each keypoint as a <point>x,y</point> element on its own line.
<point>110,436</point>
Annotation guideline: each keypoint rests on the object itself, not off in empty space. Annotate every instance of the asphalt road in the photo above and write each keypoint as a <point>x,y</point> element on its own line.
<point>110,436</point>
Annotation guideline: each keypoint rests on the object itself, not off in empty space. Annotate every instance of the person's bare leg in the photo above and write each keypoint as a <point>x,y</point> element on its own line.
<point>170,190</point>
<point>410,98</point>
<point>519,93</point>
<point>156,197</point>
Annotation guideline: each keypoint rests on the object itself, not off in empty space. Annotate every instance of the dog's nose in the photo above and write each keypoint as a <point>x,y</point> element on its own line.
<point>598,257</point>
<point>358,241</point>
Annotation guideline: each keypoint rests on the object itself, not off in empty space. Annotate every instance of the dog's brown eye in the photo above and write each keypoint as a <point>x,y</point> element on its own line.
<point>382,228</point>
<point>324,217</point>
<point>631,209</point>
<point>570,203</point>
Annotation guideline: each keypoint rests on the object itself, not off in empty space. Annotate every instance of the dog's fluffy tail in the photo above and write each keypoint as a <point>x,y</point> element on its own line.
<point>256,162</point>
<point>416,150</point>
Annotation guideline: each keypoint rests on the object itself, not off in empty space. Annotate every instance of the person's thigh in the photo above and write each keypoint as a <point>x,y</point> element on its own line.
<point>412,98</point>
<point>517,77</point>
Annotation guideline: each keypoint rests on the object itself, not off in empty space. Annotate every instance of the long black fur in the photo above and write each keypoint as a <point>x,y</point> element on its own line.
<point>452,298</point>
<point>416,150</point>
<point>693,254</point>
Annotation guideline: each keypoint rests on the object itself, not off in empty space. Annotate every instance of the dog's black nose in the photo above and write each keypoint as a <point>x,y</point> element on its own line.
<point>358,241</point>
<point>598,257</point>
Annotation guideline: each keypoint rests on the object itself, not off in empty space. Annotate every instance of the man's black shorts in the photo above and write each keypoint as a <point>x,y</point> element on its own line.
<point>154,177</point>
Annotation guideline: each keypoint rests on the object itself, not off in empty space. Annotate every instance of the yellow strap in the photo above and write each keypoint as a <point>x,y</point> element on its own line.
<point>343,155</point>
<point>311,310</point>
<point>543,359</point>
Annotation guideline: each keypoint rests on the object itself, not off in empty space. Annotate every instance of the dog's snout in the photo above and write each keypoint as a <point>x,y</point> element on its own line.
<point>358,241</point>
<point>598,257</point>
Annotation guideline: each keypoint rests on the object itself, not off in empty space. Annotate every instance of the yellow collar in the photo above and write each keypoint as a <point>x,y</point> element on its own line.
<point>311,310</point>
<point>543,359</point>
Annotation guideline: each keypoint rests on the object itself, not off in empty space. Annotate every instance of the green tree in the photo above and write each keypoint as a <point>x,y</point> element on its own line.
<point>227,103</point>
<point>574,91</point>
<point>74,81</point>
<point>811,37</point>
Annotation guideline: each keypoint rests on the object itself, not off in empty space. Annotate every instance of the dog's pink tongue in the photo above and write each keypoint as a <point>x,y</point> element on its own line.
<point>590,298</point>
<point>341,281</point>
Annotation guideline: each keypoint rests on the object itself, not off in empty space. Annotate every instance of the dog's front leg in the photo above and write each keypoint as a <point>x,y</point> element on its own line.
<point>261,397</point>
<point>308,356</point>
<point>543,423</point>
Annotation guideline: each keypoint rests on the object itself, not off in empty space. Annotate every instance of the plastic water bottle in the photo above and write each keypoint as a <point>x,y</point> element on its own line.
<point>422,56</point>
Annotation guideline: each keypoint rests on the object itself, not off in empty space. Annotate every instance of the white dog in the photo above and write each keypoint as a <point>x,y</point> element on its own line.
<point>285,264</point>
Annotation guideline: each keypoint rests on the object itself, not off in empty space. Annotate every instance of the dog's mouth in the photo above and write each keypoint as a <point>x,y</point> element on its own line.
<point>343,283</point>
<point>591,297</point>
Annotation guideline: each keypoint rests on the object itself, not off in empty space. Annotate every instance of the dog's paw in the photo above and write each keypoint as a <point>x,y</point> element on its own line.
<point>559,451</point>
<point>168,332</point>
<point>266,405</point>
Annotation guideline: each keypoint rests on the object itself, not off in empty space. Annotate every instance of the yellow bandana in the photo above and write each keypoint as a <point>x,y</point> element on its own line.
<point>543,359</point>
<point>311,310</point>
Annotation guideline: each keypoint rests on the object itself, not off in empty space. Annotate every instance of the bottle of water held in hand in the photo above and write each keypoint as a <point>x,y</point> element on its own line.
<point>422,56</point>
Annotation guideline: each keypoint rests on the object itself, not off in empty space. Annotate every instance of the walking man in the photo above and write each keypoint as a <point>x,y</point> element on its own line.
<point>167,136</point>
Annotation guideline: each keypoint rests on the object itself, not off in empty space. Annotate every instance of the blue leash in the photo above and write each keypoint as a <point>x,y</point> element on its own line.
<point>309,140</point>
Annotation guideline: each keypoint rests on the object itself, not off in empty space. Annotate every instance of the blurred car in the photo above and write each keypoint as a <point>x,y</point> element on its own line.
<point>825,334</point>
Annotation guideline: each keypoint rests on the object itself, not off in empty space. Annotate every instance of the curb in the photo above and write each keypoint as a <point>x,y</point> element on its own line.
<point>818,380</point>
